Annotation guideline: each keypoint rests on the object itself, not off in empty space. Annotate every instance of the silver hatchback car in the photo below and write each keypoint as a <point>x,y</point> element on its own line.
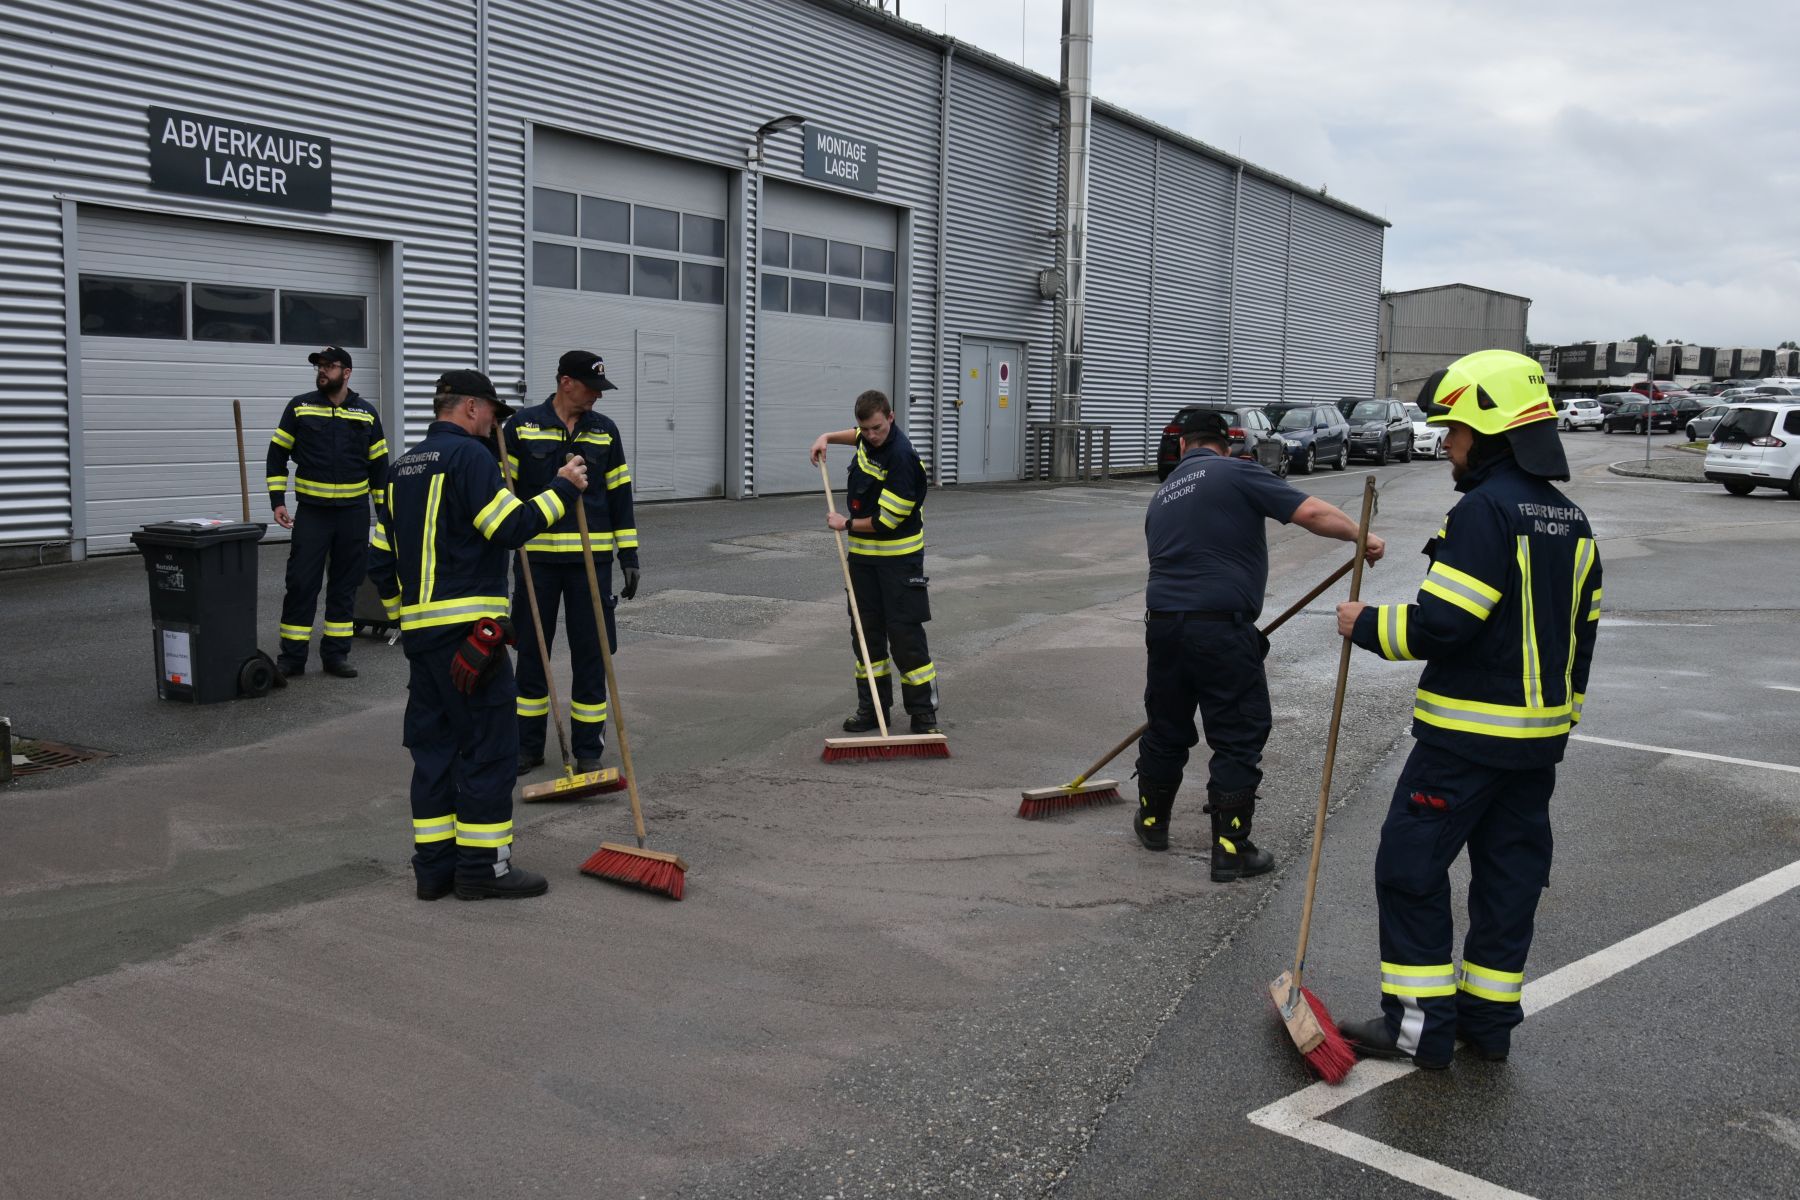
<point>1701,424</point>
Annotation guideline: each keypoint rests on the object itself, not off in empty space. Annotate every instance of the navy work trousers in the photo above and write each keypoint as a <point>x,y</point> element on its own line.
<point>1217,668</point>
<point>561,581</point>
<point>465,752</point>
<point>1441,803</point>
<point>324,533</point>
<point>893,599</point>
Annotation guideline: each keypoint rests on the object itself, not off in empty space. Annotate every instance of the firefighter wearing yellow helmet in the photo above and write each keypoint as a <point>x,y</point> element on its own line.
<point>1505,623</point>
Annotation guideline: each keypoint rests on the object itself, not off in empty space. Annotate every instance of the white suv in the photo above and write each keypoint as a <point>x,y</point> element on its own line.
<point>1757,445</point>
<point>1580,413</point>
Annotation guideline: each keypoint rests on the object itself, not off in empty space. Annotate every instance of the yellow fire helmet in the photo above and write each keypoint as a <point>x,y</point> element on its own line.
<point>1500,392</point>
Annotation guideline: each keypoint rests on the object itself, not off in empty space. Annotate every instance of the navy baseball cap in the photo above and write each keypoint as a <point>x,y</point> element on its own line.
<point>330,354</point>
<point>584,366</point>
<point>1203,422</point>
<point>472,383</point>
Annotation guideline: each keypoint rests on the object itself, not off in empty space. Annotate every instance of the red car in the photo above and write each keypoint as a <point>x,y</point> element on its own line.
<point>1657,389</point>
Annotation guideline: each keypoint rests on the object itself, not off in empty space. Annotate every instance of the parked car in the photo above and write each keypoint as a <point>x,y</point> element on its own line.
<point>1252,437</point>
<point>1656,389</point>
<point>1776,389</point>
<point>1756,445</point>
<point>1688,406</point>
<point>1579,413</point>
<point>1632,416</point>
<point>1380,429</point>
<point>1314,433</point>
<point>1611,401</point>
<point>1702,426</point>
<point>1427,439</point>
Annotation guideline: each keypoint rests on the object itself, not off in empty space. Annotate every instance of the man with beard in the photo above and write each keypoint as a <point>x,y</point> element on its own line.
<point>1505,622</point>
<point>340,460</point>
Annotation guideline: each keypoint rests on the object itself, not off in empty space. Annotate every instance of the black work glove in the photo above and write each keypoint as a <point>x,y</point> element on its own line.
<point>1262,643</point>
<point>479,656</point>
<point>631,581</point>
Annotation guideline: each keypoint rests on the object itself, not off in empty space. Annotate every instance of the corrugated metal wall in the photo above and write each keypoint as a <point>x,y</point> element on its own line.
<point>72,121</point>
<point>1121,207</point>
<point>1191,305</point>
<point>1333,304</point>
<point>1258,346</point>
<point>1002,231</point>
<point>707,73</point>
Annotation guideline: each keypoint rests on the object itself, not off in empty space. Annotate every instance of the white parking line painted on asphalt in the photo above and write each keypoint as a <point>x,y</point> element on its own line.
<point>1299,1115</point>
<point>1618,622</point>
<point>1782,687</point>
<point>1724,758</point>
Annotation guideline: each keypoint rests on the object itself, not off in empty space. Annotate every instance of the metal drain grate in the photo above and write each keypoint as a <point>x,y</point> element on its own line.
<point>41,756</point>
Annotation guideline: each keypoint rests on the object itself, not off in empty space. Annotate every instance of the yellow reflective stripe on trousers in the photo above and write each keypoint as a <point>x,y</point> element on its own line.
<point>1461,589</point>
<point>1390,625</point>
<point>1531,664</point>
<point>568,543</point>
<point>920,675</point>
<point>330,491</point>
<point>495,511</point>
<point>588,714</point>
<point>463,610</point>
<point>1400,980</point>
<point>340,629</point>
<point>1502,987</point>
<point>888,548</point>
<point>284,439</point>
<point>879,666</point>
<point>295,633</point>
<point>1493,720</point>
<point>498,834</point>
<point>434,497</point>
<point>434,829</point>
<point>551,505</point>
<point>532,706</point>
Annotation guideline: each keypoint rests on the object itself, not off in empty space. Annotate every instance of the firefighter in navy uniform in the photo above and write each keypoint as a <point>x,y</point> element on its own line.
<point>1209,568</point>
<point>439,563</point>
<point>539,439</point>
<point>885,521</point>
<point>1505,622</point>
<point>340,461</point>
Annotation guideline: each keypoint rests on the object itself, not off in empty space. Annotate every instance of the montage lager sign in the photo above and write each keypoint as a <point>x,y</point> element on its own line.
<point>841,159</point>
<point>223,159</point>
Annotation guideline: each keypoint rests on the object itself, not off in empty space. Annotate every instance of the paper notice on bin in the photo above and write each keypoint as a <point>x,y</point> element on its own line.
<point>199,522</point>
<point>177,661</point>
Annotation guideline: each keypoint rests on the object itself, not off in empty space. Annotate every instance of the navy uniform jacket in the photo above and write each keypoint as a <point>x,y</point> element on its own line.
<point>439,554</point>
<point>1204,532</point>
<point>887,482</point>
<point>537,443</point>
<point>1506,622</point>
<point>339,452</point>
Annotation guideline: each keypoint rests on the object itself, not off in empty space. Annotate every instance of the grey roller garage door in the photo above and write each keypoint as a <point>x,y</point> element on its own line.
<point>628,261</point>
<point>178,319</point>
<point>827,324</point>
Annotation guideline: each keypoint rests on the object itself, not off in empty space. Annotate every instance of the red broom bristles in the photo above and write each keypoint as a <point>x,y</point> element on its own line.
<point>650,874</point>
<point>870,753</point>
<point>1332,1058</point>
<point>1033,807</point>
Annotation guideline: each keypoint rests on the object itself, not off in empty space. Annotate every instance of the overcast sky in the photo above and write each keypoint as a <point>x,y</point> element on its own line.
<point>1631,167</point>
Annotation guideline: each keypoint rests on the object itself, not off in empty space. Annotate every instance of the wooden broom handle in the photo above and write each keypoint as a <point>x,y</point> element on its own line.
<point>1271,627</point>
<point>862,643</point>
<point>1331,738</point>
<point>237,419</point>
<point>617,713</point>
<point>537,622</point>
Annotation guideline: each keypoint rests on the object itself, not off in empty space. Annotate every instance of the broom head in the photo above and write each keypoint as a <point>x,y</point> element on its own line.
<point>900,745</point>
<point>647,869</point>
<point>1315,1034</point>
<point>1041,802</point>
<point>570,786</point>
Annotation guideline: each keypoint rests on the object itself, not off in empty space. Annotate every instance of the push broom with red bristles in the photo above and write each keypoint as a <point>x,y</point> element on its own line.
<point>1084,790</point>
<point>1315,1034</point>
<point>633,866</point>
<point>869,749</point>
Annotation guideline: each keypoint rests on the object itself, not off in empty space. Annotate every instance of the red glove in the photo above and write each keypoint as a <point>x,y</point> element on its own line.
<point>479,656</point>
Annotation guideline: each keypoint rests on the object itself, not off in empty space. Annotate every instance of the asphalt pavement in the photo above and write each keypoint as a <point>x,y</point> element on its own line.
<point>881,981</point>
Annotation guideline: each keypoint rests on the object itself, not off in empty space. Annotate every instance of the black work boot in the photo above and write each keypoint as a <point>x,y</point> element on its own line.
<point>1151,824</point>
<point>862,720</point>
<point>529,762</point>
<point>516,884</point>
<point>1234,855</point>
<point>1375,1038</point>
<point>925,723</point>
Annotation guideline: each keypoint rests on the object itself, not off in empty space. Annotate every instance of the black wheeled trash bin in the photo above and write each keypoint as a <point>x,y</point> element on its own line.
<point>203,610</point>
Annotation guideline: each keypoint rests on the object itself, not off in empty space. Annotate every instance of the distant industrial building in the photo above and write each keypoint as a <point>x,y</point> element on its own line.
<point>1595,368</point>
<point>1429,328</point>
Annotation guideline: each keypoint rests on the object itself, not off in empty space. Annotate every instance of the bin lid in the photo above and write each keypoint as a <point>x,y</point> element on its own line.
<point>197,531</point>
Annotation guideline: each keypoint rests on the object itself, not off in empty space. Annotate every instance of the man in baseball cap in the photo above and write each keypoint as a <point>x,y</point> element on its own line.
<point>586,368</point>
<point>330,355</point>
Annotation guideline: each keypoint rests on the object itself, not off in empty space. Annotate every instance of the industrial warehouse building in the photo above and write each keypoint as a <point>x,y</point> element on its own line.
<point>193,197</point>
<point>1427,329</point>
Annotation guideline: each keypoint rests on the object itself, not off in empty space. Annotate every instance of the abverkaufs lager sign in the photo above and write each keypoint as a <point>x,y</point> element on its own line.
<point>223,159</point>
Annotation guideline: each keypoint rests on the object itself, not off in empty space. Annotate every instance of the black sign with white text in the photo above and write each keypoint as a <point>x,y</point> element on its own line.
<point>837,158</point>
<point>232,160</point>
